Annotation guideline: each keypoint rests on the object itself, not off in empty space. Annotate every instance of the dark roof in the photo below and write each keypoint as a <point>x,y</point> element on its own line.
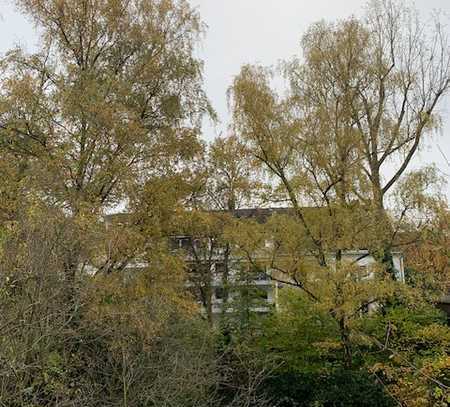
<point>261,215</point>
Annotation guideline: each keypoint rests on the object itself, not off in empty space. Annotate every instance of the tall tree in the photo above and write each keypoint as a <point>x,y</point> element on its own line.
<point>388,72</point>
<point>365,94</point>
<point>112,99</point>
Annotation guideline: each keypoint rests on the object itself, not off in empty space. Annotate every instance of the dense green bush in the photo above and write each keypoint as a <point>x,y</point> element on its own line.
<point>338,389</point>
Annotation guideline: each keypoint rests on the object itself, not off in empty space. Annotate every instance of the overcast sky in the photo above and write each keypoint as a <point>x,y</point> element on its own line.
<point>253,31</point>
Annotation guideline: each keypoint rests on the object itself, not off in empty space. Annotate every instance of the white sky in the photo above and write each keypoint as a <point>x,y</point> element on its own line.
<point>254,31</point>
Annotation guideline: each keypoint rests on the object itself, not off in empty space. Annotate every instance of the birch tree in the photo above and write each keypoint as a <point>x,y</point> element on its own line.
<point>111,99</point>
<point>364,93</point>
<point>389,73</point>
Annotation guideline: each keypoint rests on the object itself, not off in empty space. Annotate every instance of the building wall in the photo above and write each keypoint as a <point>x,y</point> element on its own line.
<point>361,257</point>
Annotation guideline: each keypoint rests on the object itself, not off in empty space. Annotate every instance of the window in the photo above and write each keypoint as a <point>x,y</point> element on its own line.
<point>364,309</point>
<point>219,293</point>
<point>185,243</point>
<point>259,273</point>
<point>261,294</point>
<point>364,272</point>
<point>254,293</point>
<point>220,268</point>
<point>180,242</point>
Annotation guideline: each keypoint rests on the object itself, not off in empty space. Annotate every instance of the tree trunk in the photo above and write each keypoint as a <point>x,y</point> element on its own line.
<point>382,252</point>
<point>345,338</point>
